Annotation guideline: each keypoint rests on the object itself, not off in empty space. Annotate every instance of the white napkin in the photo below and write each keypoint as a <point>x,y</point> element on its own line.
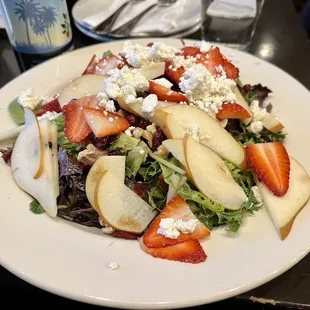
<point>236,9</point>
<point>182,14</point>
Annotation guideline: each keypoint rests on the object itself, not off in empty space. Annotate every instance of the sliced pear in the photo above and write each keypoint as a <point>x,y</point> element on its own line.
<point>114,164</point>
<point>284,210</point>
<point>175,147</point>
<point>43,188</point>
<point>85,85</point>
<point>175,121</point>
<point>241,101</point>
<point>120,207</point>
<point>53,133</point>
<point>153,71</point>
<point>272,124</point>
<point>134,108</point>
<point>36,164</point>
<point>211,175</point>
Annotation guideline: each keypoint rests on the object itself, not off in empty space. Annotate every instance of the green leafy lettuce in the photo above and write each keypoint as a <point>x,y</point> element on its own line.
<point>123,143</point>
<point>35,207</point>
<point>62,140</point>
<point>135,158</point>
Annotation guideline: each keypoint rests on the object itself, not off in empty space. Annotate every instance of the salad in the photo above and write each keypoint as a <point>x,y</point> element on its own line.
<point>157,144</point>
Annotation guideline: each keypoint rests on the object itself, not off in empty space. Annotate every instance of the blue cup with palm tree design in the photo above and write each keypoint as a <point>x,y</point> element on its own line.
<point>36,26</point>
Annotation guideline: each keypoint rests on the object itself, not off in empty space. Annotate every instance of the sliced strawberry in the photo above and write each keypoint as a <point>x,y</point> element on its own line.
<point>232,72</point>
<point>212,60</point>
<point>103,123</point>
<point>190,51</point>
<point>51,106</point>
<point>270,162</point>
<point>232,110</point>
<point>104,65</point>
<point>122,62</point>
<point>76,127</point>
<point>187,252</point>
<point>177,208</point>
<point>91,67</point>
<point>173,74</point>
<point>163,93</point>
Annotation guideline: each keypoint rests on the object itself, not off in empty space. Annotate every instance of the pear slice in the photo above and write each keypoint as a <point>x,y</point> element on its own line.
<point>85,85</point>
<point>175,121</point>
<point>120,207</point>
<point>43,188</point>
<point>211,175</point>
<point>114,164</point>
<point>134,108</point>
<point>272,124</point>
<point>53,133</point>
<point>284,210</point>
<point>175,147</point>
<point>35,144</point>
<point>241,101</point>
<point>153,70</point>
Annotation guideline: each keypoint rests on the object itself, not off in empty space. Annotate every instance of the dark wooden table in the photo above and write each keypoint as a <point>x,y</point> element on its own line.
<point>279,39</point>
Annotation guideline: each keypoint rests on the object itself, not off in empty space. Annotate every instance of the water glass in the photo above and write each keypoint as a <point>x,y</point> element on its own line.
<point>233,31</point>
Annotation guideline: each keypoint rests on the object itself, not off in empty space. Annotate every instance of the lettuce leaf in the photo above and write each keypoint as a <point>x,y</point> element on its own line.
<point>135,158</point>
<point>62,140</point>
<point>123,143</point>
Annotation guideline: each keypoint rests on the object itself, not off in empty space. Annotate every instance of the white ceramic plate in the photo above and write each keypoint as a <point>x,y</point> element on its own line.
<point>72,261</point>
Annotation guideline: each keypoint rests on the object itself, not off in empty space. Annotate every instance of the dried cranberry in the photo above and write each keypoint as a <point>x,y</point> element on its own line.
<point>141,188</point>
<point>133,120</point>
<point>144,123</point>
<point>100,143</point>
<point>114,153</point>
<point>124,235</point>
<point>246,88</point>
<point>158,138</point>
<point>163,184</point>
<point>6,155</point>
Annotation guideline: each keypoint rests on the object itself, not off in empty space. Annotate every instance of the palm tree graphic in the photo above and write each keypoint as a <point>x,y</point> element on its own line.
<point>27,11</point>
<point>48,15</point>
<point>39,28</point>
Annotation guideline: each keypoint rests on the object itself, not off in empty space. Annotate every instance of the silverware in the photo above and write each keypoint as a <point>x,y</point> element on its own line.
<point>105,26</point>
<point>124,30</point>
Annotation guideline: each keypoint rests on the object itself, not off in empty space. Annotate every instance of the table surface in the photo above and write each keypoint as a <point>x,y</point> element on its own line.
<point>279,39</point>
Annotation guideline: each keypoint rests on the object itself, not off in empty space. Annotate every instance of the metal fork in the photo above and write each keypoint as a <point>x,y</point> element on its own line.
<point>124,30</point>
<point>106,26</point>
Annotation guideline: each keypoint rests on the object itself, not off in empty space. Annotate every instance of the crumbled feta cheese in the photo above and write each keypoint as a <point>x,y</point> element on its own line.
<point>171,228</point>
<point>149,103</point>
<point>105,102</point>
<point>113,266</point>
<point>28,99</point>
<point>49,115</point>
<point>125,83</point>
<point>107,230</point>
<point>180,61</point>
<point>111,119</point>
<point>193,129</point>
<point>206,91</point>
<point>168,228</point>
<point>128,133</point>
<point>258,113</point>
<point>257,195</point>
<point>186,227</point>
<point>142,152</point>
<point>139,55</point>
<point>163,82</point>
<point>203,46</point>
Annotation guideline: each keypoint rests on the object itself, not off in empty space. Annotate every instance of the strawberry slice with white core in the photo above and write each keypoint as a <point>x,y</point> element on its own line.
<point>189,251</point>
<point>176,209</point>
<point>104,65</point>
<point>270,162</point>
<point>103,123</point>
<point>165,94</point>
<point>51,106</point>
<point>232,110</point>
<point>91,67</point>
<point>76,127</point>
